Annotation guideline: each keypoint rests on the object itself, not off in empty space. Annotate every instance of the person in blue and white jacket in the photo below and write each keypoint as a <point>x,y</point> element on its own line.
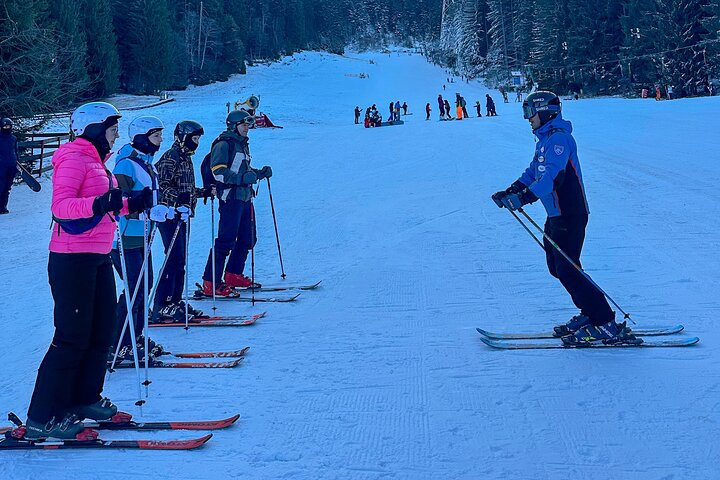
<point>134,172</point>
<point>555,178</point>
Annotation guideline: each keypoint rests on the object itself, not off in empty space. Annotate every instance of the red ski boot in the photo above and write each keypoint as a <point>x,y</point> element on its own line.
<point>221,289</point>
<point>238,280</point>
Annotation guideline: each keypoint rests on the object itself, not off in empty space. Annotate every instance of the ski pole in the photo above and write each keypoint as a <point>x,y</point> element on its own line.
<point>212,246</point>
<point>577,267</point>
<point>128,316</point>
<point>146,337</point>
<point>123,269</point>
<point>187,271</point>
<point>527,229</point>
<point>277,236</point>
<point>162,267</point>
<point>252,250</point>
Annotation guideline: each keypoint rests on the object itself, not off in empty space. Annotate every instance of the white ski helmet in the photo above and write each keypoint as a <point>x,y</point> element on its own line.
<point>144,125</point>
<point>90,114</point>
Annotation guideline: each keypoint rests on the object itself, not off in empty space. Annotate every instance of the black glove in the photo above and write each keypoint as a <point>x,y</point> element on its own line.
<point>516,187</point>
<point>249,178</point>
<point>498,198</point>
<point>142,202</point>
<point>264,172</point>
<point>110,201</point>
<point>183,198</point>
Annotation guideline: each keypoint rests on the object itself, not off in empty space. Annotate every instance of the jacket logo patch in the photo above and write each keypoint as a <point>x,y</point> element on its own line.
<point>559,149</point>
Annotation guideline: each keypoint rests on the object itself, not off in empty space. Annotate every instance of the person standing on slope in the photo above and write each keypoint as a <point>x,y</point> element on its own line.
<point>441,106</point>
<point>134,172</point>
<point>85,201</point>
<point>490,106</point>
<point>230,164</point>
<point>9,156</point>
<point>555,178</point>
<point>357,115</point>
<point>478,107</point>
<point>427,111</point>
<point>447,109</point>
<point>176,179</point>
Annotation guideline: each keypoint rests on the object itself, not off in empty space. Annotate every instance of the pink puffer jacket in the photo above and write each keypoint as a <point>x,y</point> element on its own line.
<point>80,176</point>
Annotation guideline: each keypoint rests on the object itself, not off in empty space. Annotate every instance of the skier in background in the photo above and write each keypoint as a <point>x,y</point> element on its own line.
<point>458,106</point>
<point>357,115</point>
<point>441,106</point>
<point>464,107</point>
<point>490,106</point>
<point>404,107</point>
<point>392,112</point>
<point>427,111</point>
<point>9,157</point>
<point>554,177</point>
<point>478,107</point>
<point>447,109</point>
<point>397,110</point>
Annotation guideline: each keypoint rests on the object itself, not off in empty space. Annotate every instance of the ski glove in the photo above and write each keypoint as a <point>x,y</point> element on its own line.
<point>110,201</point>
<point>183,213</point>
<point>249,178</point>
<point>142,202</point>
<point>159,213</point>
<point>512,201</point>
<point>170,215</point>
<point>498,198</point>
<point>265,172</point>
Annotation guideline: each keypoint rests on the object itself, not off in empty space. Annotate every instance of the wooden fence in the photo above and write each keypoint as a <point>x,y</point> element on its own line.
<point>36,147</point>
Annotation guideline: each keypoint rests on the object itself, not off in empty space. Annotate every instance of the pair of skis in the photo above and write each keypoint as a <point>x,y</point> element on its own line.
<point>518,341</point>
<point>155,362</point>
<point>13,437</point>
<point>199,294</point>
<point>227,321</point>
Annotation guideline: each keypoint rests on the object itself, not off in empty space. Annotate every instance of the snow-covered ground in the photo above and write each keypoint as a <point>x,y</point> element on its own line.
<point>380,373</point>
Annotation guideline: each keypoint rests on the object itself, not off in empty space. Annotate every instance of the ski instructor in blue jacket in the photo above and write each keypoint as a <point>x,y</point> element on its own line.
<point>555,178</point>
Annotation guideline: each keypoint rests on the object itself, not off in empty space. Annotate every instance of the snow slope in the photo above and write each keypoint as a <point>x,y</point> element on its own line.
<point>380,373</point>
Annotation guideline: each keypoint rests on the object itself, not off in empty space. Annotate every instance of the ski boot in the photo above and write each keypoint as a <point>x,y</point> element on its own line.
<point>69,428</point>
<point>194,312</point>
<point>575,324</point>
<point>155,348</point>
<point>169,313</point>
<point>101,410</point>
<point>238,280</point>
<point>608,334</point>
<point>222,289</point>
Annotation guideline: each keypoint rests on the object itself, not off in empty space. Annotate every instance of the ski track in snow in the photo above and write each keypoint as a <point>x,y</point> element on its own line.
<point>380,373</point>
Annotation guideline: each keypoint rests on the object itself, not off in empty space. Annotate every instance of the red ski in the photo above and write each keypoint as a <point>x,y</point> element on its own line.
<point>155,363</point>
<point>231,353</point>
<point>238,321</point>
<point>22,444</point>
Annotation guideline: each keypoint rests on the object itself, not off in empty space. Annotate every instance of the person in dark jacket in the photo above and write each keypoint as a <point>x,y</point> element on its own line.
<point>8,162</point>
<point>554,177</point>
<point>447,110</point>
<point>441,106</point>
<point>490,106</point>
<point>478,107</point>
<point>230,163</point>
<point>427,111</point>
<point>357,115</point>
<point>404,107</point>
<point>392,112</point>
<point>176,180</point>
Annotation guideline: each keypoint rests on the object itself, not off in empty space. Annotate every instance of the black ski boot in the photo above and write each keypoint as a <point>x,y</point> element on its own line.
<point>575,324</point>
<point>155,348</point>
<point>102,410</point>
<point>66,429</point>
<point>608,333</point>
<point>194,313</point>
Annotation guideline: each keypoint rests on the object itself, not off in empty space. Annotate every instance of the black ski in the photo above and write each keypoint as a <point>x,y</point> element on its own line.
<point>643,332</point>
<point>155,363</point>
<point>27,177</point>
<point>281,288</point>
<point>506,345</point>
<point>10,443</point>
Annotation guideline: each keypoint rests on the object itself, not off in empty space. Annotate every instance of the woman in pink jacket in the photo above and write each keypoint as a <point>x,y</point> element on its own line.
<point>85,202</point>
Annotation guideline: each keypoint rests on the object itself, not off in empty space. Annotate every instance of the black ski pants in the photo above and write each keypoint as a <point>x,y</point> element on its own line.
<point>236,236</point>
<point>73,370</point>
<point>172,283</point>
<point>568,232</point>
<point>133,265</point>
<point>7,175</point>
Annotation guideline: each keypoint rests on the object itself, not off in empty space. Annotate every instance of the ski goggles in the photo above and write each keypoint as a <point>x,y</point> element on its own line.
<point>249,121</point>
<point>530,111</point>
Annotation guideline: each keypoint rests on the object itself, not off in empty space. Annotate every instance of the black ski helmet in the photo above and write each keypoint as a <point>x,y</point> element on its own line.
<point>185,130</point>
<point>543,103</point>
<point>238,116</point>
<point>6,122</point>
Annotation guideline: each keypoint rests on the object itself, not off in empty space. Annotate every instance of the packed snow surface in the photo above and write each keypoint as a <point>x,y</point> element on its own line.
<point>380,372</point>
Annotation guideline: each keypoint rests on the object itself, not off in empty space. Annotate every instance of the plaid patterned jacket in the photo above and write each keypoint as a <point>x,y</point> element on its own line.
<point>176,175</point>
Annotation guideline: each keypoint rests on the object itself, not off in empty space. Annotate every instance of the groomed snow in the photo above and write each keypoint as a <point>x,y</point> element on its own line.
<point>380,373</point>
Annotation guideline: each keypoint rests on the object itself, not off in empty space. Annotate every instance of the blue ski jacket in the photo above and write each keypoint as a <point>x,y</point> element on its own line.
<point>554,175</point>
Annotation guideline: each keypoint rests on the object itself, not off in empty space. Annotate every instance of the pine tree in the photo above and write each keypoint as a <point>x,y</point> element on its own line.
<point>103,63</point>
